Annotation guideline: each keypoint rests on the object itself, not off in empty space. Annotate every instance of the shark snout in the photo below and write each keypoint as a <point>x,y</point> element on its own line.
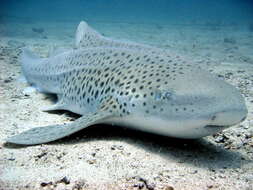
<point>229,117</point>
<point>229,106</point>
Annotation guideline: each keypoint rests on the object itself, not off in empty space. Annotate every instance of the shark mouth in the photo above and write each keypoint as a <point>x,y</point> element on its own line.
<point>212,129</point>
<point>222,126</point>
<point>216,126</point>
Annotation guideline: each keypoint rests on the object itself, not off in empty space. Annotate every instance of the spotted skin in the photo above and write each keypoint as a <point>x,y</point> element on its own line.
<point>88,76</point>
<point>133,85</point>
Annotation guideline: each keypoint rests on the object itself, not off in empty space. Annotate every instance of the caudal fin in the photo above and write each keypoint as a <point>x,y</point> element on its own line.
<point>28,61</point>
<point>28,57</point>
<point>28,54</point>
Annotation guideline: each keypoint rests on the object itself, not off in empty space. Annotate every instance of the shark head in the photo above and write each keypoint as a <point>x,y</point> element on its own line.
<point>187,102</point>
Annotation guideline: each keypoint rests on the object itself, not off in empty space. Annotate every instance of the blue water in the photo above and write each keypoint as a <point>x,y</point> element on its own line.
<point>134,11</point>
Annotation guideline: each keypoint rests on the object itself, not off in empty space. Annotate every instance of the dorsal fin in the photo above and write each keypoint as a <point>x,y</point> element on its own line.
<point>88,37</point>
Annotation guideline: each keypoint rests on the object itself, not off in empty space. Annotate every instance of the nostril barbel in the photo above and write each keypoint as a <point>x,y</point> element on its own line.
<point>243,119</point>
<point>213,117</point>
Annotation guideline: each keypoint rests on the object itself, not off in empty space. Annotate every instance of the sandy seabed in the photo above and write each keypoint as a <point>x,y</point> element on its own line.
<point>106,157</point>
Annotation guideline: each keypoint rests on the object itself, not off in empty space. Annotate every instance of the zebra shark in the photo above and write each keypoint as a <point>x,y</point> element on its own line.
<point>129,84</point>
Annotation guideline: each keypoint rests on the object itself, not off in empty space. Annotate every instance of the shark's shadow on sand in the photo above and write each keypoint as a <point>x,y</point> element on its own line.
<point>201,153</point>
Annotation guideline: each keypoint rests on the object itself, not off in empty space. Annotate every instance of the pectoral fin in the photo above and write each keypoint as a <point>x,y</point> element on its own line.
<point>53,132</point>
<point>50,133</point>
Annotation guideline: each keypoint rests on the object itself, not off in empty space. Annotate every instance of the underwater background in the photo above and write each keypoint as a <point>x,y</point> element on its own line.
<point>216,35</point>
<point>235,12</point>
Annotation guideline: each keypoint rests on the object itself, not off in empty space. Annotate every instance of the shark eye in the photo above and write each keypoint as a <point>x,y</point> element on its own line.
<point>165,95</point>
<point>168,95</point>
